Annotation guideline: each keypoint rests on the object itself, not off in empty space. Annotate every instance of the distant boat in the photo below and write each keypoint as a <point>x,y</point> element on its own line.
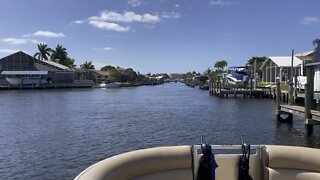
<point>239,77</point>
<point>110,84</point>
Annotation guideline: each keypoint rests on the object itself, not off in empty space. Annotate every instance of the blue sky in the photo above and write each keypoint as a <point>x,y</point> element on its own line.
<point>160,35</point>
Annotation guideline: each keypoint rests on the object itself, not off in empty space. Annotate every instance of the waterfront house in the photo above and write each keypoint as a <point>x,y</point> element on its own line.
<point>280,67</point>
<point>177,76</point>
<point>305,57</point>
<point>22,70</point>
<point>99,76</point>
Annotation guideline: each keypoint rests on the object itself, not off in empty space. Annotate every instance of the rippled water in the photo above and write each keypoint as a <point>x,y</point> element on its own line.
<point>55,134</point>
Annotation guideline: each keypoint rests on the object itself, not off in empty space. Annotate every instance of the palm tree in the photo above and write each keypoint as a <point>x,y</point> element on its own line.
<point>207,72</point>
<point>87,65</point>
<point>70,63</point>
<point>220,65</point>
<point>316,42</point>
<point>259,62</point>
<point>44,52</point>
<point>316,55</point>
<point>60,55</point>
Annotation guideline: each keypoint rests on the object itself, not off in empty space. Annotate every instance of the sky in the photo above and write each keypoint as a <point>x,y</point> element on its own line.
<point>160,36</point>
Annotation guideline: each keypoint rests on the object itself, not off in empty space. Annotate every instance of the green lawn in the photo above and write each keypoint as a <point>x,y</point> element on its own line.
<point>283,86</point>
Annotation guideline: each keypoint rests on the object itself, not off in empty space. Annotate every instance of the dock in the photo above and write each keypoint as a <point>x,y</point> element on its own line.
<point>221,90</point>
<point>299,110</point>
<point>240,92</point>
<point>285,112</point>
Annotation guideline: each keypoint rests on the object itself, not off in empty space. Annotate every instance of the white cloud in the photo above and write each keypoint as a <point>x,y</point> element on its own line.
<point>169,15</point>
<point>14,40</point>
<point>177,5</point>
<point>220,3</point>
<point>19,41</point>
<point>48,34</point>
<point>126,17</point>
<point>135,3</point>
<point>108,49</point>
<point>9,51</point>
<point>77,22</point>
<point>309,20</point>
<point>109,26</point>
<point>114,21</point>
<point>150,18</point>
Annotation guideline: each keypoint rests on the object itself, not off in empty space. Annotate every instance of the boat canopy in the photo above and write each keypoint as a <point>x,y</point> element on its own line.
<point>236,67</point>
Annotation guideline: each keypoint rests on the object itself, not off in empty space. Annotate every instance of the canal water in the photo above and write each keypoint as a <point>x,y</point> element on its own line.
<point>55,134</point>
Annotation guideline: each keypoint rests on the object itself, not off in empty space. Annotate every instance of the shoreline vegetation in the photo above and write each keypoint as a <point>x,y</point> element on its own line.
<point>126,76</point>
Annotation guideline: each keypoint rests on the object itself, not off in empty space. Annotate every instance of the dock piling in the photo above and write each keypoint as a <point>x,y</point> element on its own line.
<point>219,81</point>
<point>291,81</point>
<point>307,108</point>
<point>251,86</point>
<point>278,91</point>
<point>279,112</point>
<point>308,100</point>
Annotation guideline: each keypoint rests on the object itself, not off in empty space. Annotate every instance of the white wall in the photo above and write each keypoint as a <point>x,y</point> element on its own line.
<point>317,80</point>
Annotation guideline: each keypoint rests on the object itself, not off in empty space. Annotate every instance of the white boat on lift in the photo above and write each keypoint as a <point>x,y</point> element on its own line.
<point>266,162</point>
<point>239,77</point>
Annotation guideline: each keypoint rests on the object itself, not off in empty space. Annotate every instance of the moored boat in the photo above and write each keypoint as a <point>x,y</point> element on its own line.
<point>239,77</point>
<point>110,84</point>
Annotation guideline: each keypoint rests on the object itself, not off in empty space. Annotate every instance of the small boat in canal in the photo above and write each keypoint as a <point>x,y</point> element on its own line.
<point>110,84</point>
<point>198,162</point>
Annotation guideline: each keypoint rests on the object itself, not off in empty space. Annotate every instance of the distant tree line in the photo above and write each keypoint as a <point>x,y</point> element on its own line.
<point>60,55</point>
<point>123,75</point>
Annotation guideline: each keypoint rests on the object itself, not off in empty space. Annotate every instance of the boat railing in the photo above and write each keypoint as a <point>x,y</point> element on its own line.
<point>222,150</point>
<point>228,159</point>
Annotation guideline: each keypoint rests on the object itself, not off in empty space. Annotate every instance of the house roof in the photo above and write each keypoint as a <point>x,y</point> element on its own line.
<point>52,63</point>
<point>304,54</point>
<point>282,61</point>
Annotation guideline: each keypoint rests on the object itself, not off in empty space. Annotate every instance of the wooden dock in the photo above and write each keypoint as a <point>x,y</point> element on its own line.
<point>240,92</point>
<point>221,89</point>
<point>299,110</point>
<point>311,117</point>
